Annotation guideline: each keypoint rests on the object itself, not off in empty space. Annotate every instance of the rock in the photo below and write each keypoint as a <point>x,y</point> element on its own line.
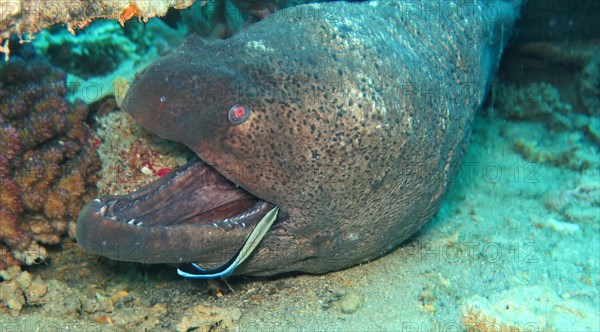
<point>349,303</point>
<point>12,296</point>
<point>19,289</point>
<point>98,303</point>
<point>36,290</point>
<point>557,225</point>
<point>205,318</point>
<point>24,280</point>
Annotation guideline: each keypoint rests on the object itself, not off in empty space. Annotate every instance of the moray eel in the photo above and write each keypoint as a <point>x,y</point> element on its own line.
<point>340,124</point>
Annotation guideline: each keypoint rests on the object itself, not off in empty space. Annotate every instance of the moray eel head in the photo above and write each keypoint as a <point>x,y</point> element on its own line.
<point>200,212</point>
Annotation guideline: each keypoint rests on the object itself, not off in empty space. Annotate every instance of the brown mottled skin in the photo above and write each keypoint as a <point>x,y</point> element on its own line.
<point>358,126</point>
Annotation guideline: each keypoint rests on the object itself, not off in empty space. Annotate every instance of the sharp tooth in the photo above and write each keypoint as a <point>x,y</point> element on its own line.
<point>113,218</point>
<point>244,225</point>
<point>215,224</point>
<point>103,210</point>
<point>131,221</point>
<point>111,207</point>
<point>138,224</point>
<point>97,200</point>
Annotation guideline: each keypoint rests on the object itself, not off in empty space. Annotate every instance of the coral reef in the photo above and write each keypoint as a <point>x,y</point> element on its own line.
<point>552,82</point>
<point>552,86</point>
<point>95,57</point>
<point>132,156</point>
<point>87,53</point>
<point>537,101</point>
<point>19,289</point>
<point>28,17</point>
<point>568,149</point>
<point>220,18</point>
<point>589,86</point>
<point>48,165</point>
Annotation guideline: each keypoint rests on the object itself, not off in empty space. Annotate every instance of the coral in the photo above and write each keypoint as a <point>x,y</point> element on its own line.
<point>565,149</point>
<point>554,83</point>
<point>97,55</point>
<point>223,17</point>
<point>47,163</point>
<point>28,17</point>
<point>104,50</point>
<point>19,289</point>
<point>132,156</point>
<point>532,102</point>
<point>94,51</point>
<point>555,86</point>
<point>477,317</point>
<point>532,308</point>
<point>589,85</point>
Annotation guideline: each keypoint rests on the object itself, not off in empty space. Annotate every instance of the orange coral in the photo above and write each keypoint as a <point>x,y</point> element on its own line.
<point>47,164</point>
<point>8,229</point>
<point>10,195</point>
<point>129,12</point>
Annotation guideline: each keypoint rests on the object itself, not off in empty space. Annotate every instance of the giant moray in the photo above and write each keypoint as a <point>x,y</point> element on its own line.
<point>351,118</point>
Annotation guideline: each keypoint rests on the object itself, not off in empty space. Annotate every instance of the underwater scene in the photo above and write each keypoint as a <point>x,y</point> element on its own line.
<point>300,165</point>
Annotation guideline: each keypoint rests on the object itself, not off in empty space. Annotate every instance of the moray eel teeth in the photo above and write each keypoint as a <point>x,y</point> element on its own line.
<point>102,208</point>
<point>176,219</point>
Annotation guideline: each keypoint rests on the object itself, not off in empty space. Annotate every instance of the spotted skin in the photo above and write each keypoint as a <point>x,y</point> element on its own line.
<point>359,121</point>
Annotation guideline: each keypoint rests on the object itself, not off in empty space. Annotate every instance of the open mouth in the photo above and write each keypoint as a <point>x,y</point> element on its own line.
<point>193,193</point>
<point>193,214</point>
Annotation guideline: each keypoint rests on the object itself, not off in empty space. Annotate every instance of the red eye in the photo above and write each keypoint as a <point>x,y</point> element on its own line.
<point>238,113</point>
